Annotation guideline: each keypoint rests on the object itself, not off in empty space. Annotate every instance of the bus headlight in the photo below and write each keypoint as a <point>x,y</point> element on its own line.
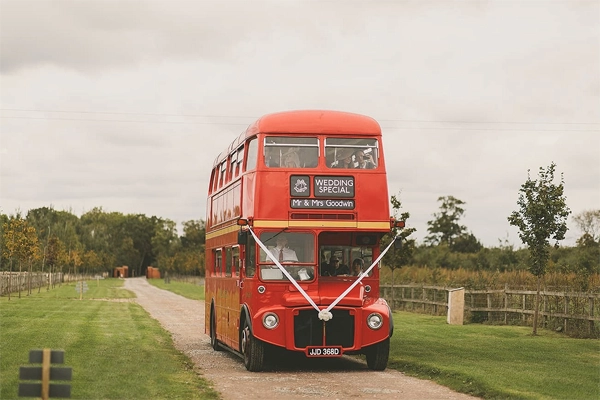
<point>270,320</point>
<point>375,321</point>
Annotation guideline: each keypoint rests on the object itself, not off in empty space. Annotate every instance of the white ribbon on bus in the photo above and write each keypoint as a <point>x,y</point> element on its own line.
<point>324,314</point>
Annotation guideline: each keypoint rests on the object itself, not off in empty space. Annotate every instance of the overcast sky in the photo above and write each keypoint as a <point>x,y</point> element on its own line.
<point>125,104</point>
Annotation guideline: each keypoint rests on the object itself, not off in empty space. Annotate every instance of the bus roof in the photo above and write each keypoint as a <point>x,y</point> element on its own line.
<point>315,122</point>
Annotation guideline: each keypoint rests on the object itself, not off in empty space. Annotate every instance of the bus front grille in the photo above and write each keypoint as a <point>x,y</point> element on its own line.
<point>308,329</point>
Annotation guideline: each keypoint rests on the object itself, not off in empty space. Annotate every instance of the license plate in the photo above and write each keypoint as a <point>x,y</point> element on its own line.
<point>324,351</point>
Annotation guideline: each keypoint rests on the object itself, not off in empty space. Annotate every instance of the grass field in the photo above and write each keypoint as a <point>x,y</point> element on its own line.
<point>115,349</point>
<point>504,362</point>
<point>488,361</point>
<point>118,352</point>
<point>191,291</point>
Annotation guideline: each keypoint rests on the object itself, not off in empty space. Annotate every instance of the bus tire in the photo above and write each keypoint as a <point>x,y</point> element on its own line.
<point>378,355</point>
<point>214,343</point>
<point>253,350</point>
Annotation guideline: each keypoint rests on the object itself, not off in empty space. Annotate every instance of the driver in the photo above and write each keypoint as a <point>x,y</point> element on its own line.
<point>281,251</point>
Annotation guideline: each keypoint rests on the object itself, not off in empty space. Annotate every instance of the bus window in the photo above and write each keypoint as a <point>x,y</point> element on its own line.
<point>351,153</point>
<point>218,262</point>
<point>212,182</point>
<point>250,257</point>
<point>293,250</point>
<point>223,173</point>
<point>235,261</point>
<point>239,158</point>
<point>291,152</point>
<point>215,179</point>
<point>343,260</point>
<point>228,261</point>
<point>232,164</point>
<point>252,154</point>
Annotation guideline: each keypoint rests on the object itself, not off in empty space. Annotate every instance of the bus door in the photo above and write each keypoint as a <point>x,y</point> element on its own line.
<point>248,268</point>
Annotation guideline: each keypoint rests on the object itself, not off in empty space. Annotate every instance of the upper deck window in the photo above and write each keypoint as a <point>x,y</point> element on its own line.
<point>291,152</point>
<point>240,159</point>
<point>252,154</point>
<point>351,153</point>
<point>223,173</point>
<point>232,164</point>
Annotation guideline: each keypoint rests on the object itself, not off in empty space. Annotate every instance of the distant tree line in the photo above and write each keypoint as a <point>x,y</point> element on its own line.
<point>48,240</point>
<point>449,245</point>
<point>541,216</point>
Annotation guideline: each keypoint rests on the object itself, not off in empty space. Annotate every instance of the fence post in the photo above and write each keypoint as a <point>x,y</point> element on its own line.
<point>505,303</point>
<point>523,308</point>
<point>456,306</point>
<point>591,300</point>
<point>566,311</point>
<point>545,309</point>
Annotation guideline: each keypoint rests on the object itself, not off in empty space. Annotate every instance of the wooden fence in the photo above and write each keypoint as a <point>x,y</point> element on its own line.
<point>13,282</point>
<point>574,313</point>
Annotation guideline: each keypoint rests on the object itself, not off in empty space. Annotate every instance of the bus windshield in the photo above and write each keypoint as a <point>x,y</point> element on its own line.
<point>345,260</point>
<point>294,251</point>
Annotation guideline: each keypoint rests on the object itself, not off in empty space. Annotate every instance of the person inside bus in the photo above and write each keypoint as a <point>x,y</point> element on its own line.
<point>340,269</point>
<point>272,157</point>
<point>364,160</point>
<point>282,252</point>
<point>291,159</point>
<point>326,268</point>
<point>358,265</point>
<point>343,159</point>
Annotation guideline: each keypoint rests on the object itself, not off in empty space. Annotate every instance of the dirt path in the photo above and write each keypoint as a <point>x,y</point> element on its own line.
<point>294,378</point>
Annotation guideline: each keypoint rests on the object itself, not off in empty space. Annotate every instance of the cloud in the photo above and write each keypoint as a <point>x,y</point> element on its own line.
<point>125,105</point>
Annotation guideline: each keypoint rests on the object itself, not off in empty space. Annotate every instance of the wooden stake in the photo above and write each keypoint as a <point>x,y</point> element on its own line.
<point>46,374</point>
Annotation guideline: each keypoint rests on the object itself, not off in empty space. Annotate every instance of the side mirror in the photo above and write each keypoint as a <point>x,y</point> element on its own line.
<point>398,243</point>
<point>242,237</point>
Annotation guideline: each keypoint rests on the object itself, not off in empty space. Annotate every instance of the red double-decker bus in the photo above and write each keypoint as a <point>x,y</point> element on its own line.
<point>297,206</point>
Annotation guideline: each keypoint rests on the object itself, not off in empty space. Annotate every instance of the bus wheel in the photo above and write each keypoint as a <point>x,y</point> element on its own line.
<point>378,355</point>
<point>253,350</point>
<point>213,332</point>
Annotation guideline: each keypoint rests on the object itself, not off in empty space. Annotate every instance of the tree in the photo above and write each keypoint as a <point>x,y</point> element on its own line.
<point>55,254</point>
<point>21,243</point>
<point>588,222</point>
<point>194,234</point>
<point>396,258</point>
<point>466,243</point>
<point>92,261</point>
<point>542,215</point>
<point>192,251</point>
<point>444,228</point>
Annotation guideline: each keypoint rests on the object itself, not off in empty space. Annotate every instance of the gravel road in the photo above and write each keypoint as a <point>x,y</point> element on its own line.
<point>291,378</point>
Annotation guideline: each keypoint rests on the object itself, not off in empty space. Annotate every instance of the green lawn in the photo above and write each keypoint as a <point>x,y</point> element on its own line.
<point>118,352</point>
<point>496,361</point>
<point>189,290</point>
<point>489,361</point>
<point>115,349</point>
